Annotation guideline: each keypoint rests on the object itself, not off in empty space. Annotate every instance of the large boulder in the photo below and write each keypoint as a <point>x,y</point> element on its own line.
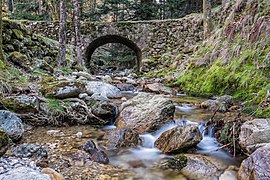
<point>178,139</point>
<point>120,138</point>
<point>105,110</point>
<point>24,173</point>
<point>63,89</point>
<point>158,88</point>
<point>22,103</point>
<point>257,165</point>
<point>10,123</point>
<point>145,113</point>
<point>254,134</point>
<point>203,167</point>
<point>4,141</point>
<point>103,89</point>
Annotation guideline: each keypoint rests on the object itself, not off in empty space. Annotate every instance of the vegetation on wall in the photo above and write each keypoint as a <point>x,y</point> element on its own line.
<point>235,60</point>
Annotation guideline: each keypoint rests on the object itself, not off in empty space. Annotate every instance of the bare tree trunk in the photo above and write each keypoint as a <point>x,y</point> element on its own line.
<point>223,2</point>
<point>40,2</point>
<point>207,18</point>
<point>77,5</point>
<point>54,13</point>
<point>2,56</point>
<point>62,33</point>
<point>10,4</point>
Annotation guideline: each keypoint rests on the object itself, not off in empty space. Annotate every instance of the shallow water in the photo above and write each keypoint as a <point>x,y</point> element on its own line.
<point>147,155</point>
<point>141,160</point>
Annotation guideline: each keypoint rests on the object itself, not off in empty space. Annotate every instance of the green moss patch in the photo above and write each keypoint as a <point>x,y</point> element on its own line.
<point>17,34</point>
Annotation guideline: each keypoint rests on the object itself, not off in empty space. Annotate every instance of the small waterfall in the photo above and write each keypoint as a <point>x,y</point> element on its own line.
<point>207,131</point>
<point>148,140</point>
<point>208,143</point>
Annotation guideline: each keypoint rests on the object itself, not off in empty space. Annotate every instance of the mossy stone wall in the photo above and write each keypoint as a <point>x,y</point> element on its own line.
<point>154,38</point>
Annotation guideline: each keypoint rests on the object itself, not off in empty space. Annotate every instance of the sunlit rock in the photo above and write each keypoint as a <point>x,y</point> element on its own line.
<point>254,134</point>
<point>257,165</point>
<point>179,139</point>
<point>145,113</point>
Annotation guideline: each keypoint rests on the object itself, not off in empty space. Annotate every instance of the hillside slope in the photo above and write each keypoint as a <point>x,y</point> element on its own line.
<point>234,60</point>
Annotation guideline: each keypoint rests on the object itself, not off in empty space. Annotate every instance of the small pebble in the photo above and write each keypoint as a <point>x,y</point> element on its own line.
<point>79,135</point>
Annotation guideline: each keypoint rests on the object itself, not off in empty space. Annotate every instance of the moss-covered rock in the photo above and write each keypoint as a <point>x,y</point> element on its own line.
<point>19,59</point>
<point>17,34</point>
<point>62,89</point>
<point>2,65</point>
<point>6,38</point>
<point>17,44</point>
<point>8,48</point>
<point>21,104</point>
<point>4,141</point>
<point>178,162</point>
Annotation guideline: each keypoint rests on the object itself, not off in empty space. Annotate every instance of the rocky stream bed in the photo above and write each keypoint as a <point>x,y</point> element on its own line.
<point>130,130</point>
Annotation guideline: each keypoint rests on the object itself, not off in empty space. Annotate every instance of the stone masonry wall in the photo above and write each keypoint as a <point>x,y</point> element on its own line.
<point>154,38</point>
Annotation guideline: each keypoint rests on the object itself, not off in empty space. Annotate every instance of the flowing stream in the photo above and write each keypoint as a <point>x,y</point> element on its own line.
<point>143,158</point>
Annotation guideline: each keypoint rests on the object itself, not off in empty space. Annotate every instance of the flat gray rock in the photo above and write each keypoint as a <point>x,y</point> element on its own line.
<point>10,123</point>
<point>255,134</point>
<point>24,173</point>
<point>103,89</point>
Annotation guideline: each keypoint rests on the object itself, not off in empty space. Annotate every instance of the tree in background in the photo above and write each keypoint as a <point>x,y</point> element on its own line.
<point>2,56</point>
<point>77,18</point>
<point>40,7</point>
<point>10,4</point>
<point>62,33</point>
<point>147,8</point>
<point>53,10</point>
<point>207,24</point>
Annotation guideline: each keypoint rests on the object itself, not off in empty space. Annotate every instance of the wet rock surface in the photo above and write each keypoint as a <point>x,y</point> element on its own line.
<point>145,113</point>
<point>121,138</point>
<point>11,124</point>
<point>203,167</point>
<point>96,154</point>
<point>257,165</point>
<point>179,139</point>
<point>254,134</point>
<point>177,162</point>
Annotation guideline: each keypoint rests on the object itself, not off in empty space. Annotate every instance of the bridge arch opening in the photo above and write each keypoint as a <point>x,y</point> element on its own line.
<point>113,39</point>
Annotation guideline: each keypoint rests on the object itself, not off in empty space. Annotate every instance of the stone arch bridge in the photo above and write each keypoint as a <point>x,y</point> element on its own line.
<point>147,39</point>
